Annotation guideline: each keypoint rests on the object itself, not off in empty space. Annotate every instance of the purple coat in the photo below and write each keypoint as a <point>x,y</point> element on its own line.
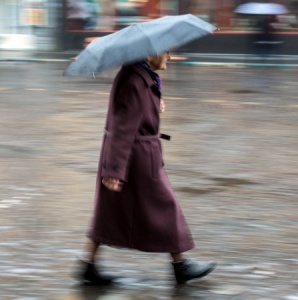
<point>145,215</point>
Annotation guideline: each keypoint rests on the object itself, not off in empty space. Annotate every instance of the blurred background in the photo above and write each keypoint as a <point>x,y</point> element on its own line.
<point>231,110</point>
<point>64,25</point>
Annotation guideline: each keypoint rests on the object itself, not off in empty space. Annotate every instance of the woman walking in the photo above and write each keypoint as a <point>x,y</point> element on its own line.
<point>135,206</point>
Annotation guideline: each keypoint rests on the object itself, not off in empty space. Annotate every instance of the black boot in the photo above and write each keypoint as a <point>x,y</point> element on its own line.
<point>88,274</point>
<point>189,269</point>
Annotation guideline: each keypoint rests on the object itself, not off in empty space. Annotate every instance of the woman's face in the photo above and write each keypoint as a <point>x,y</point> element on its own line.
<point>159,62</point>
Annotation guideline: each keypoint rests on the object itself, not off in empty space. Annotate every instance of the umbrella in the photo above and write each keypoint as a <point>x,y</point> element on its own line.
<point>138,41</point>
<point>254,8</point>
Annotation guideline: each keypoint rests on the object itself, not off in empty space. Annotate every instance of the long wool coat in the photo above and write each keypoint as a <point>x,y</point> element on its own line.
<point>145,215</point>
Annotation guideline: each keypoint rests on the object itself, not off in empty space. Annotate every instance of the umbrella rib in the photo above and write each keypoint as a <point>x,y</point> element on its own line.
<point>153,48</point>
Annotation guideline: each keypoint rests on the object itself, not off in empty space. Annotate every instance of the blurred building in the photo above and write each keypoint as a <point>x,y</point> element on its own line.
<point>103,15</point>
<point>30,24</point>
<point>65,24</point>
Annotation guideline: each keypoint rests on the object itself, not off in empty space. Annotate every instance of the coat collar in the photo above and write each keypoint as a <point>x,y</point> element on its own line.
<point>146,77</point>
<point>144,74</point>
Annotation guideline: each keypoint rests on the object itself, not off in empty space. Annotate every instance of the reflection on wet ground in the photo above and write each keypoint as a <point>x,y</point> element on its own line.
<point>232,161</point>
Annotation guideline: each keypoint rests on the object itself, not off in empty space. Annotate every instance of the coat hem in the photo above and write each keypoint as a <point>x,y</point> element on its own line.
<point>102,241</point>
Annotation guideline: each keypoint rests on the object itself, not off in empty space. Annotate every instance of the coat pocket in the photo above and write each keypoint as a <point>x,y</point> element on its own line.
<point>156,161</point>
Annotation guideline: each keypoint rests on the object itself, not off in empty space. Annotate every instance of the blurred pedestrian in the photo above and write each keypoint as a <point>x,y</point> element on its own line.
<point>135,206</point>
<point>91,11</point>
<point>266,39</point>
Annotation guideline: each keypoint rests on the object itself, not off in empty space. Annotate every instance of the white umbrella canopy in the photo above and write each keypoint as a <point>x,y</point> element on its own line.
<point>255,8</point>
<point>138,41</point>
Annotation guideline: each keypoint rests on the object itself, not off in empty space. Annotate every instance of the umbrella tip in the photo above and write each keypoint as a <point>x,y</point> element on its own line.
<point>216,29</point>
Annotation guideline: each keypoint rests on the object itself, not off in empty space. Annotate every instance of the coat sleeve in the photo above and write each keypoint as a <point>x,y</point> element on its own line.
<point>123,124</point>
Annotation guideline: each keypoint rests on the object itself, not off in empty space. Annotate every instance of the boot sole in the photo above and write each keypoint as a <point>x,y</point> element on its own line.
<point>92,283</point>
<point>197,277</point>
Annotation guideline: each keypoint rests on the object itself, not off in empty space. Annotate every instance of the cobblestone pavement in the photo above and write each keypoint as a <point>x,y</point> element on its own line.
<point>232,161</point>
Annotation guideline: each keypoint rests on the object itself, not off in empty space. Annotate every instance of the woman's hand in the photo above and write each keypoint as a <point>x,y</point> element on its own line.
<point>162,106</point>
<point>113,184</point>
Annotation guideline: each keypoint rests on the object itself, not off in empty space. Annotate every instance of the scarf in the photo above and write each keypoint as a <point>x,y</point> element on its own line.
<point>155,77</point>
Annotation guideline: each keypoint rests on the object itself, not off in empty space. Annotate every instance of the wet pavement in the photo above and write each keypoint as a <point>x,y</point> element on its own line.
<point>232,161</point>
